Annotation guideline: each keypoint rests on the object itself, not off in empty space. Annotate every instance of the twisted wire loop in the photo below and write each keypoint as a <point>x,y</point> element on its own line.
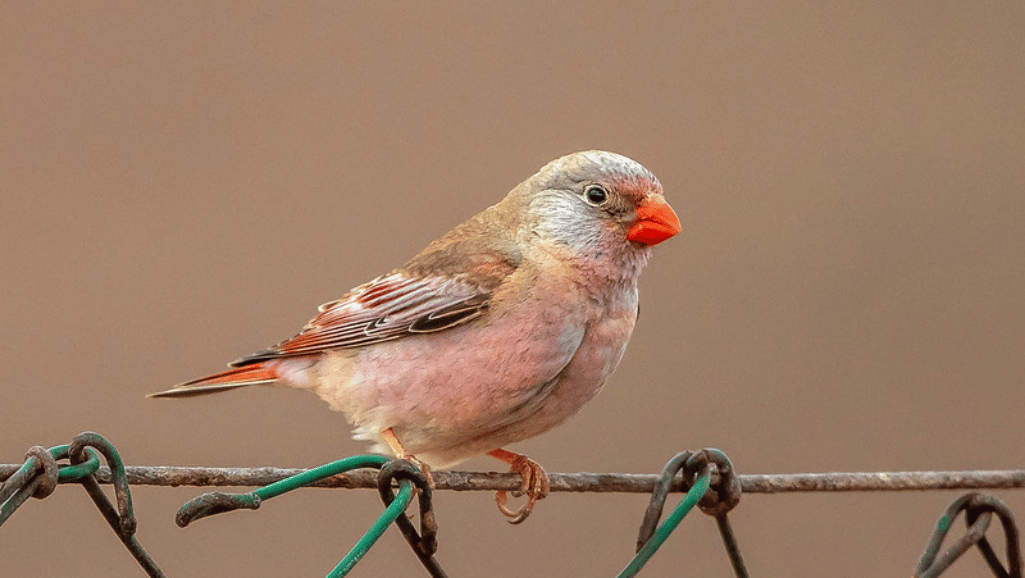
<point>424,543</point>
<point>651,536</point>
<point>46,483</point>
<point>122,519</point>
<point>39,476</point>
<point>979,511</point>
<point>36,478</point>
<point>723,495</point>
<point>409,478</point>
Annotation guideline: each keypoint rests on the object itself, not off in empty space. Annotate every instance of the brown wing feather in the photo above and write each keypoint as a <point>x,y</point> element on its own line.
<point>390,307</point>
<point>448,284</point>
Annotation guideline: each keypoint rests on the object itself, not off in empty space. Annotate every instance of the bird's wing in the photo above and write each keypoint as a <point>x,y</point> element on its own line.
<point>389,307</point>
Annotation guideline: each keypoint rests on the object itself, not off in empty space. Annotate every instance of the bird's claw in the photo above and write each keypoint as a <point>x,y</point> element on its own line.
<point>535,487</point>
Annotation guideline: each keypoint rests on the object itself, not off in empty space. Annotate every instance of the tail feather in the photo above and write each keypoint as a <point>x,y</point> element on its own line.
<point>231,379</point>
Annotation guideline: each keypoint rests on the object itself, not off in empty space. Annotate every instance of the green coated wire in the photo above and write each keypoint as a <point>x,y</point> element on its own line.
<point>390,514</point>
<point>15,497</point>
<point>662,533</point>
<point>75,473</point>
<point>308,477</point>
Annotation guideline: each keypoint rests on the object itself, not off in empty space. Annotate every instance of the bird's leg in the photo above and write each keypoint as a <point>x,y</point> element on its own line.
<point>400,452</point>
<point>535,484</point>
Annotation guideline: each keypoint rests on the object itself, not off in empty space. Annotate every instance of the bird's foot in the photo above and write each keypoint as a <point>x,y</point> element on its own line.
<point>535,484</point>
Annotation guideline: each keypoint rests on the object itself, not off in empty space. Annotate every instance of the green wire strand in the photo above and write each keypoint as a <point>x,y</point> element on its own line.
<point>198,508</point>
<point>308,477</point>
<point>662,533</point>
<point>386,519</point>
<point>390,514</point>
<point>11,499</point>
<point>75,473</point>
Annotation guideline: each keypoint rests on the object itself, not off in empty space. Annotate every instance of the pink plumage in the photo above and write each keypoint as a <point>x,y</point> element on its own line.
<point>498,331</point>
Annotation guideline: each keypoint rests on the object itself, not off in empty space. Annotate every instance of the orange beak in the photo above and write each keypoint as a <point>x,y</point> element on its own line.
<point>656,221</point>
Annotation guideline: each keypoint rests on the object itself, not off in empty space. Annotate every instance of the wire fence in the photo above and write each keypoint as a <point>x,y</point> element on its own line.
<point>706,477</point>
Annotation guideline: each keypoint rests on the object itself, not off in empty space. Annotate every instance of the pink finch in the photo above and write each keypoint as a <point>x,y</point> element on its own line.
<point>497,332</point>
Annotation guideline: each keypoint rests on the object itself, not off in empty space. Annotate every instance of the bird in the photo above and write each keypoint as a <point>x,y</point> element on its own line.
<point>498,331</point>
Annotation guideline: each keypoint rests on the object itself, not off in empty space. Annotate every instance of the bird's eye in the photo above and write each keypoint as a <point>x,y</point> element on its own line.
<point>596,195</point>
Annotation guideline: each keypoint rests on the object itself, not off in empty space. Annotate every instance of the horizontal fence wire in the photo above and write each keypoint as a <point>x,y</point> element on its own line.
<point>707,476</point>
<point>576,482</point>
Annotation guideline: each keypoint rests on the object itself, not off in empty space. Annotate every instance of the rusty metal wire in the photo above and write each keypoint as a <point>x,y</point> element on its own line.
<point>578,482</point>
<point>37,478</point>
<point>39,475</point>
<point>408,477</point>
<point>707,476</point>
<point>725,496</point>
<point>695,468</point>
<point>722,496</point>
<point>659,535</point>
<point>425,542</point>
<point>979,511</point>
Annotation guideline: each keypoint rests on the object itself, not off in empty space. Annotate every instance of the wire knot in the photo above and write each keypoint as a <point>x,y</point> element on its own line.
<point>49,471</point>
<point>722,496</point>
<point>424,542</point>
<point>724,493</point>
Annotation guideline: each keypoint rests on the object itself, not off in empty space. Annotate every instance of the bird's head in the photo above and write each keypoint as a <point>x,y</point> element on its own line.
<point>600,204</point>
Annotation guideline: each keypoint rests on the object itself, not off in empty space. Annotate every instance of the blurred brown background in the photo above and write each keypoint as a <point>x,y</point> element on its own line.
<point>184,183</point>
